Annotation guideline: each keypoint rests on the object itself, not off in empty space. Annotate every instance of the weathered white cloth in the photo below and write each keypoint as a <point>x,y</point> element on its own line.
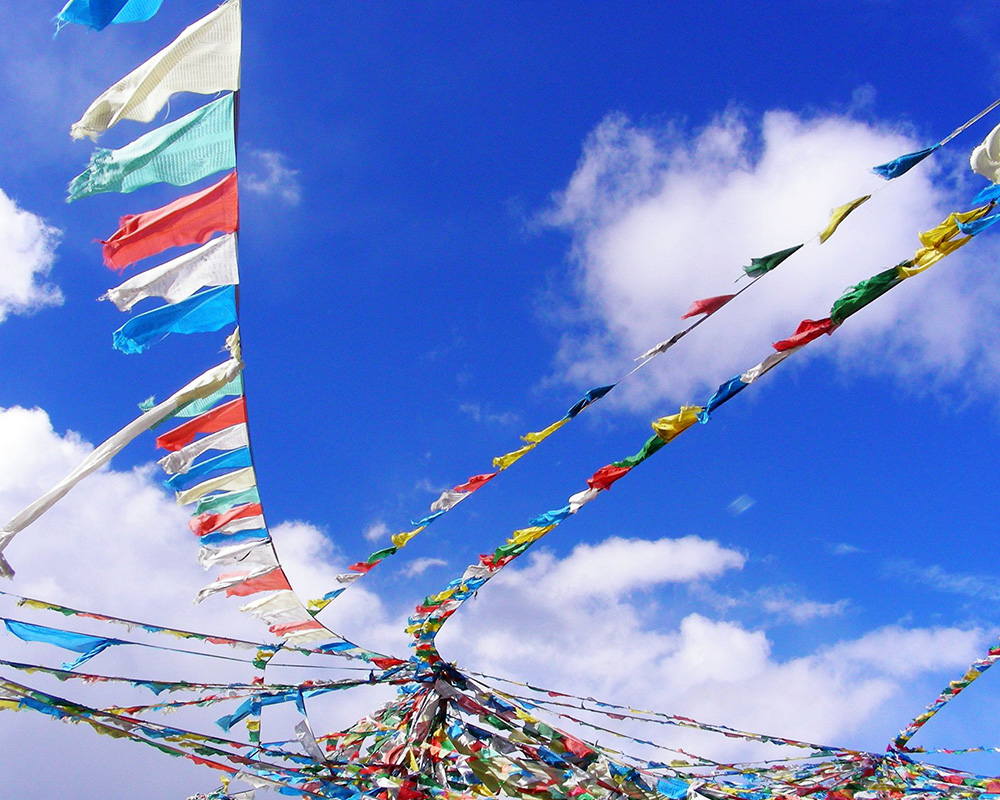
<point>213,264</point>
<point>985,159</point>
<point>204,59</point>
<point>230,482</point>
<point>257,554</point>
<point>768,364</point>
<point>232,438</point>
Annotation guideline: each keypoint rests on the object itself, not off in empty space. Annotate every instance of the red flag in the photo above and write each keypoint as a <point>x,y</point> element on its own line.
<point>274,580</point>
<point>206,523</point>
<point>291,627</point>
<point>232,413</point>
<point>808,330</point>
<point>474,482</point>
<point>605,476</point>
<point>189,220</point>
<point>708,306</point>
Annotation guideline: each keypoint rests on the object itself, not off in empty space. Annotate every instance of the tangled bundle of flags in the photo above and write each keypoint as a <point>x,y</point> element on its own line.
<point>448,733</point>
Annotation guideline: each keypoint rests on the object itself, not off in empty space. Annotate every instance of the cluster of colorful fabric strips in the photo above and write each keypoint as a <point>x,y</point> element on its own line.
<point>199,288</point>
<point>984,161</point>
<point>947,237</point>
<point>445,735</point>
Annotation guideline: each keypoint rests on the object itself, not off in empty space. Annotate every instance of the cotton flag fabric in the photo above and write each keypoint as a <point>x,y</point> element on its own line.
<point>204,384</point>
<point>87,646</point>
<point>232,413</point>
<point>768,364</point>
<point>723,394</point>
<point>201,313</point>
<point>985,158</point>
<point>708,306</point>
<point>669,428</point>
<point>213,264</point>
<point>204,59</point>
<point>903,164</point>
<point>233,481</point>
<point>98,14</point>
<point>197,145</point>
<point>857,297</point>
<point>838,215</point>
<point>231,438</point>
<point>227,462</point>
<point>808,330</point>
<point>192,219</point>
<point>764,264</point>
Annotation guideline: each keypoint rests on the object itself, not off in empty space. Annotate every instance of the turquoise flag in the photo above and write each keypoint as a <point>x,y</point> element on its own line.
<point>98,14</point>
<point>201,313</point>
<point>197,145</point>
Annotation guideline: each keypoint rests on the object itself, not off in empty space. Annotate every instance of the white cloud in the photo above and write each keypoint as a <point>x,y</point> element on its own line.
<point>27,251</point>
<point>537,624</point>
<point>420,565</point>
<point>479,414</point>
<point>980,587</point>
<point>660,217</point>
<point>268,175</point>
<point>784,605</point>
<point>376,531</point>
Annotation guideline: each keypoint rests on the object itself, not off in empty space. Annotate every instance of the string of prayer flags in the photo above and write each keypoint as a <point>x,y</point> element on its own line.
<point>954,688</point>
<point>708,306</point>
<point>203,385</point>
<point>98,14</point>
<point>201,313</point>
<point>764,264</point>
<point>204,59</point>
<point>232,413</point>
<point>904,163</point>
<point>191,219</point>
<point>808,330</point>
<point>213,264</point>
<point>838,215</point>
<point>193,147</point>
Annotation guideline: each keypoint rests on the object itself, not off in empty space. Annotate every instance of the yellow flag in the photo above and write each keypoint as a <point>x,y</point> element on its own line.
<point>504,461</point>
<point>949,228</point>
<point>929,256</point>
<point>669,428</point>
<point>400,539</point>
<point>537,436</point>
<point>838,215</point>
<point>531,534</point>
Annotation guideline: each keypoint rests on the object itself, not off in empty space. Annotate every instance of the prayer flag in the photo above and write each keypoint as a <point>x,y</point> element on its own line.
<point>232,413</point>
<point>241,479</point>
<point>591,396</point>
<point>226,462</point>
<point>764,264</point>
<point>857,297</point>
<point>985,158</point>
<point>213,264</point>
<point>708,306</point>
<point>204,59</point>
<point>538,436</point>
<point>98,14</point>
<point>651,446</point>
<point>605,476</point>
<point>767,364</point>
<point>189,220</point>
<point>474,482</point>
<point>201,313</point>
<point>197,145</point>
<point>808,330</point>
<point>899,166</point>
<point>87,646</point>
<point>669,428</point>
<point>838,215</point>
<point>223,502</point>
<point>206,523</point>
<point>729,389</point>
<point>230,438</point>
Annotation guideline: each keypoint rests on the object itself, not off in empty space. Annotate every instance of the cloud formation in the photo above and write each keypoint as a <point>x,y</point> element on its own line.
<point>28,247</point>
<point>660,217</point>
<point>268,175</point>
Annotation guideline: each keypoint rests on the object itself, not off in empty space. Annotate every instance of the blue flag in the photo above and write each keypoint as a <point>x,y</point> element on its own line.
<point>201,313</point>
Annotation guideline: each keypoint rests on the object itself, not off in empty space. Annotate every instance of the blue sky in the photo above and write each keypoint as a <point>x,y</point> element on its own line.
<point>454,221</point>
